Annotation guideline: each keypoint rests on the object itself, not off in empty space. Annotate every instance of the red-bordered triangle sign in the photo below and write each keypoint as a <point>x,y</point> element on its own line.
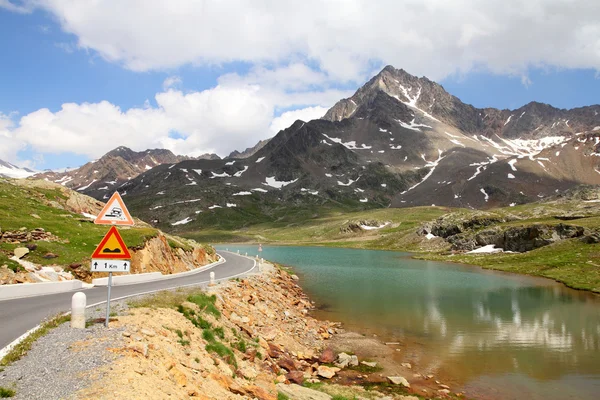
<point>112,247</point>
<point>114,212</point>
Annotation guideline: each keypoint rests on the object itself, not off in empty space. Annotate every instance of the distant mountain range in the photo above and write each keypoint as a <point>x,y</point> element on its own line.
<point>9,170</point>
<point>100,178</point>
<point>398,141</point>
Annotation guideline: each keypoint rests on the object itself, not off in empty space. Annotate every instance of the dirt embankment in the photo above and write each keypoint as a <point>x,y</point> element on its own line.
<point>160,254</point>
<point>254,339</point>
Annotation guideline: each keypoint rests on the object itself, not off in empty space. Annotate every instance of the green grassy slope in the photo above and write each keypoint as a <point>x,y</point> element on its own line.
<point>29,208</point>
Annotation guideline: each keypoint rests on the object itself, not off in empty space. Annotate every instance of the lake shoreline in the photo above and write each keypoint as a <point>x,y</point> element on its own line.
<point>325,270</point>
<point>427,256</point>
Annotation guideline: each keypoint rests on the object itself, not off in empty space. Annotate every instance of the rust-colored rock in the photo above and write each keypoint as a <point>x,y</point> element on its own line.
<point>295,377</point>
<point>274,350</point>
<point>259,393</point>
<point>327,356</point>
<point>287,363</point>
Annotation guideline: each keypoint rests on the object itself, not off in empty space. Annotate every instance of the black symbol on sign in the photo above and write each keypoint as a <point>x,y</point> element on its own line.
<point>115,212</point>
<point>117,250</point>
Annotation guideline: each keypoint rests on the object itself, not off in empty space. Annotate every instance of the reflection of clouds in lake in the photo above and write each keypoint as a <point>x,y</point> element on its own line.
<point>434,317</point>
<point>536,331</point>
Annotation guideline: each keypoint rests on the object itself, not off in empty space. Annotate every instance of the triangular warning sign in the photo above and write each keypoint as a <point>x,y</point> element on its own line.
<point>112,247</point>
<point>114,212</point>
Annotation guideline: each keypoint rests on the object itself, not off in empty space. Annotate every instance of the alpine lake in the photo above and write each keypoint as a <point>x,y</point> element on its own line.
<point>492,335</point>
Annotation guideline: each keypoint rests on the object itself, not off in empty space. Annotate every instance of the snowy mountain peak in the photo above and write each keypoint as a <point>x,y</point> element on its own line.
<point>12,171</point>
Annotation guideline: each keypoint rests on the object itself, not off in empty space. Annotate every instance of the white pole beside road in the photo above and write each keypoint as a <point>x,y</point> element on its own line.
<point>108,300</point>
<point>78,302</point>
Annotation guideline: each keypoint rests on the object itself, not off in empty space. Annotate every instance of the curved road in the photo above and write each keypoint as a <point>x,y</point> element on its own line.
<point>20,315</point>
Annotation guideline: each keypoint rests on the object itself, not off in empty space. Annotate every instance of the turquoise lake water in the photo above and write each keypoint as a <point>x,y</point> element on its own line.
<point>493,335</point>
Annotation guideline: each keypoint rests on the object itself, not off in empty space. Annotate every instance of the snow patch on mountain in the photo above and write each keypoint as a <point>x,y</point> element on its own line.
<point>372,228</point>
<point>183,221</point>
<point>351,145</point>
<point>239,173</point>
<point>222,175</point>
<point>271,181</point>
<point>313,192</point>
<point>432,165</point>
<point>350,182</point>
<point>486,196</point>
<point>86,186</point>
<point>412,125</point>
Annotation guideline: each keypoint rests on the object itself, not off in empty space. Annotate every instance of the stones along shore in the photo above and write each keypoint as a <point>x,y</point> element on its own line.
<point>250,338</point>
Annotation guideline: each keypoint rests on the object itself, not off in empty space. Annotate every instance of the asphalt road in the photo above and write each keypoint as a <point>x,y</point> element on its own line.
<point>17,316</point>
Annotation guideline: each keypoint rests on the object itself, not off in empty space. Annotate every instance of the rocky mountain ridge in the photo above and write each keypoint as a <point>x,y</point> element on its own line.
<point>250,151</point>
<point>399,141</point>
<point>100,178</point>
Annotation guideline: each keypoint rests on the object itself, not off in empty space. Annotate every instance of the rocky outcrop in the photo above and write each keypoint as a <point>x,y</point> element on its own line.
<point>24,236</point>
<point>517,239</point>
<point>452,224</point>
<point>362,226</point>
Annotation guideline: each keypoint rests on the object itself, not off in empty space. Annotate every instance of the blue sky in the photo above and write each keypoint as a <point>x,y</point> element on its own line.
<point>128,81</point>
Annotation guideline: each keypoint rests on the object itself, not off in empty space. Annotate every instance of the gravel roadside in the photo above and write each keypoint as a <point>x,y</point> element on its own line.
<point>61,362</point>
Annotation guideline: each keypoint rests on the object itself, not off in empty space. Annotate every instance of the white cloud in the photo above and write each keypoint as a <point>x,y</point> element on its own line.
<point>426,37</point>
<point>9,145</point>
<point>235,114</point>
<point>172,82</point>
<point>289,117</point>
<point>202,120</point>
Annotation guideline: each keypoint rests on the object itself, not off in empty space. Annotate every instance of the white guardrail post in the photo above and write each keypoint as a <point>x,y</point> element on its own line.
<point>78,303</point>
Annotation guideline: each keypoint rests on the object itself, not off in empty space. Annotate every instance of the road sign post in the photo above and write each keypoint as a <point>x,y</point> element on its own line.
<point>112,254</point>
<point>108,300</point>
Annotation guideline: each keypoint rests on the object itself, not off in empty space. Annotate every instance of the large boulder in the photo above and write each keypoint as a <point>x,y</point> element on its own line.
<point>327,356</point>
<point>399,380</point>
<point>522,239</point>
<point>343,360</point>
<point>568,231</point>
<point>20,252</point>
<point>493,236</point>
<point>462,241</point>
<point>445,230</point>
<point>591,238</point>
<point>326,372</point>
